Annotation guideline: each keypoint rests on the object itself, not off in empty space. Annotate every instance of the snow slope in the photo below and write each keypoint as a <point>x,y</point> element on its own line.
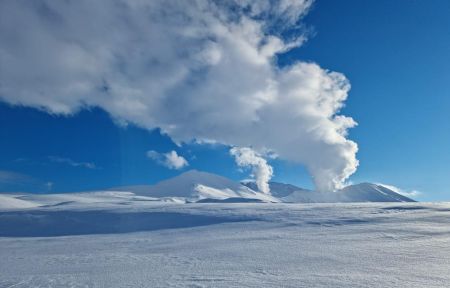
<point>153,244</point>
<point>81,199</point>
<point>368,192</point>
<point>13,201</point>
<point>364,192</point>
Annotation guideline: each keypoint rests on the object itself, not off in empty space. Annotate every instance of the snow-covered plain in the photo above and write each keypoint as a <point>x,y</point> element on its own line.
<point>118,239</point>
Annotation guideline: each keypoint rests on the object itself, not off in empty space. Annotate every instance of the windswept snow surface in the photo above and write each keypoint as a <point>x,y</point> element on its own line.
<point>122,240</point>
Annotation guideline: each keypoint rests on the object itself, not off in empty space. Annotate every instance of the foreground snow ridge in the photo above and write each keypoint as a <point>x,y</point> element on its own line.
<point>118,240</point>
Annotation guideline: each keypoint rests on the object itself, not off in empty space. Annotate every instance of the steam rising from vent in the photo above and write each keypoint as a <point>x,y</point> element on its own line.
<point>199,70</point>
<point>246,157</point>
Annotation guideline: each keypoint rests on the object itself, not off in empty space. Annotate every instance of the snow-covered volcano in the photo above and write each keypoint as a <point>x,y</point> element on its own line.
<point>197,186</point>
<point>364,192</point>
<point>194,186</point>
<point>202,187</point>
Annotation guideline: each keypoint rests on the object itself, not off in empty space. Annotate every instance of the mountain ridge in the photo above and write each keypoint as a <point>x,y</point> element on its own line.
<point>194,186</point>
<point>199,187</point>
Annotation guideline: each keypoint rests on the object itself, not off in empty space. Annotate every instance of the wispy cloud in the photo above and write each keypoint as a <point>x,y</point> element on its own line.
<point>170,159</point>
<point>412,193</point>
<point>14,181</point>
<point>70,162</point>
<point>11,177</point>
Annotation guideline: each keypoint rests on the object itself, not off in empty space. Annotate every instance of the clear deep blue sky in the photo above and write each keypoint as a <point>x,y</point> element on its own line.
<point>396,55</point>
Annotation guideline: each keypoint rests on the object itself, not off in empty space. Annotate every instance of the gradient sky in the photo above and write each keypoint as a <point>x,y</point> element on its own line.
<point>396,55</point>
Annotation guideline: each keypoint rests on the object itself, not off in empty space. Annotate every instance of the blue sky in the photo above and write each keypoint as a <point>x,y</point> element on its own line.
<point>394,53</point>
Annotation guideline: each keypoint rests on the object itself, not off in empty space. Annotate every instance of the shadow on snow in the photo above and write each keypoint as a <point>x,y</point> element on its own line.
<point>64,223</point>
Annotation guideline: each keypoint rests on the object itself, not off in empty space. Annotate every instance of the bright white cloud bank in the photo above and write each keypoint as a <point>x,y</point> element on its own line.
<point>170,159</point>
<point>203,70</point>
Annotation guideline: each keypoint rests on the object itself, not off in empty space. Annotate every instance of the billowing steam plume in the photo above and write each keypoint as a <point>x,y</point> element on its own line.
<point>203,70</point>
<point>246,157</point>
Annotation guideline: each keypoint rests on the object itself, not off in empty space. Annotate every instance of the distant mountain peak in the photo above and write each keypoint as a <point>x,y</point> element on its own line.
<point>194,185</point>
<point>362,192</point>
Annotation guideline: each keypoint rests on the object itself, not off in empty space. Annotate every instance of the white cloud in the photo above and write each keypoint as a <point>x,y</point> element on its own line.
<point>70,162</point>
<point>246,157</point>
<point>200,70</point>
<point>412,193</point>
<point>170,159</point>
